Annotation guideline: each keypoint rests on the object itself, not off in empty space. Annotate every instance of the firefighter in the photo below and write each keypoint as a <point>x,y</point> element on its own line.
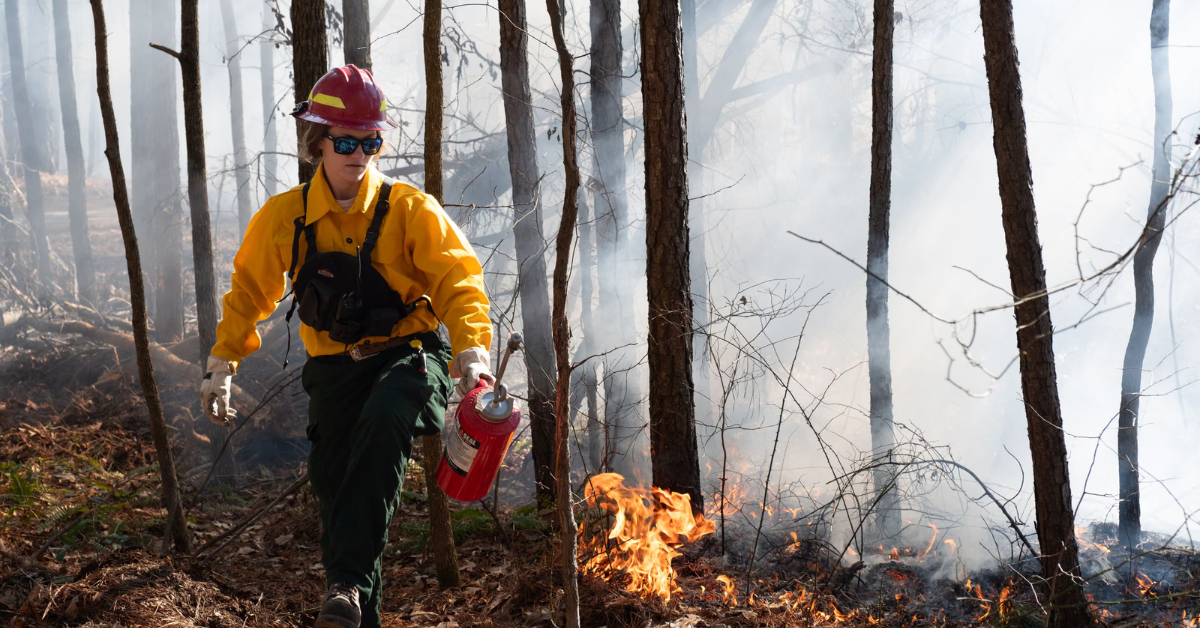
<point>374,266</point>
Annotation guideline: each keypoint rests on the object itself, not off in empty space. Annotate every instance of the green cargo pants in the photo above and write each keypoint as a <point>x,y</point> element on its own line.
<point>362,417</point>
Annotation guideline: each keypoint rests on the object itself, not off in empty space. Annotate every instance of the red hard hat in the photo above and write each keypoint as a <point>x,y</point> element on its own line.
<point>349,98</point>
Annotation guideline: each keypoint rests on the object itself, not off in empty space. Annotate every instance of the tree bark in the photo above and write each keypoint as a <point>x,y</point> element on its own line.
<point>530,242</point>
<point>621,388</point>
<point>29,151</point>
<point>85,276</point>
<point>568,533</point>
<point>137,294</point>
<point>673,456</point>
<point>1130,509</point>
<point>266,54</point>
<point>356,22</point>
<point>879,353</point>
<point>309,60</point>
<point>1067,606</point>
<point>439,512</point>
<point>237,115</point>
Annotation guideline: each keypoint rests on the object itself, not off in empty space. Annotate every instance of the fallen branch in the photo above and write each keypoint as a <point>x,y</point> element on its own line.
<point>229,536</point>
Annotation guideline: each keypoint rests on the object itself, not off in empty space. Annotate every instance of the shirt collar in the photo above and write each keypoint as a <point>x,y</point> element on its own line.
<point>321,201</point>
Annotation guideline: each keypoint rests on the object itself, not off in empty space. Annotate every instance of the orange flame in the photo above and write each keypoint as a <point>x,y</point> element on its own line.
<point>647,527</point>
<point>730,589</point>
<point>894,555</point>
<point>932,539</point>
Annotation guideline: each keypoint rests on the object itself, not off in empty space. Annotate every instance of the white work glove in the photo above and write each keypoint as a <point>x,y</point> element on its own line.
<point>470,366</point>
<point>214,391</point>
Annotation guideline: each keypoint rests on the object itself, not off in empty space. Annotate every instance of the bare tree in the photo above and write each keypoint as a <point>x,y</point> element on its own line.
<point>233,59</point>
<point>568,533</point>
<point>29,153</point>
<point>356,40</point>
<point>155,195</point>
<point>85,276</point>
<point>530,242</point>
<point>439,511</point>
<point>1067,606</point>
<point>193,113</point>
<point>137,294</point>
<point>1130,510</point>
<point>673,454</point>
<point>266,70</point>
<point>611,209</point>
<point>309,60</point>
<point>879,352</point>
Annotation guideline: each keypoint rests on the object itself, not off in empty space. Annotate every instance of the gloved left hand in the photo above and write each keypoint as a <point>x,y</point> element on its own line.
<point>470,366</point>
<point>214,391</point>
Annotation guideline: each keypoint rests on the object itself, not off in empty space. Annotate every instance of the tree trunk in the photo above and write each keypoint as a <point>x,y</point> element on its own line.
<point>137,294</point>
<point>1130,509</point>
<point>266,54</point>
<point>29,151</point>
<point>309,60</point>
<point>530,242</point>
<point>568,533</point>
<point>703,397</point>
<point>85,276</point>
<point>439,512</point>
<point>596,434</point>
<point>673,454</point>
<point>237,114</point>
<point>156,199</point>
<point>356,22</point>
<point>441,532</point>
<point>1068,608</point>
<point>879,353</point>
<point>621,387</point>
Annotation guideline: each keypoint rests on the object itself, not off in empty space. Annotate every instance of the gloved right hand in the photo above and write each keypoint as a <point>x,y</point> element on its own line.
<point>215,389</point>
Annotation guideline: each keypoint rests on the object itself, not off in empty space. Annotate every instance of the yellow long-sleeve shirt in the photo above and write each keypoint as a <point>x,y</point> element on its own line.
<point>420,251</point>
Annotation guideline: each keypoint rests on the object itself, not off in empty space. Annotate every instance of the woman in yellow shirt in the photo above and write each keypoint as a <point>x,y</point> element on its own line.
<point>375,265</point>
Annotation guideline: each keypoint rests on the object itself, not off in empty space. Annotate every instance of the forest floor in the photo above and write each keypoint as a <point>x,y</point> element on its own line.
<point>82,526</point>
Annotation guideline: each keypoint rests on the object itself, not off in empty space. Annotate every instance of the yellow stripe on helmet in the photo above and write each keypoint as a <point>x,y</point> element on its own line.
<point>326,99</point>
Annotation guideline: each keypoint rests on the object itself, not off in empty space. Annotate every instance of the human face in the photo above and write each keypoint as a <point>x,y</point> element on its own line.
<point>345,172</point>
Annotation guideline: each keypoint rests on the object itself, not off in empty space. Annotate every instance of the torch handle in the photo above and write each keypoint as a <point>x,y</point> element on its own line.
<point>514,343</point>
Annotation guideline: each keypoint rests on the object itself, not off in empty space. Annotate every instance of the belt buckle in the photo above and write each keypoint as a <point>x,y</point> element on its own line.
<point>357,354</point>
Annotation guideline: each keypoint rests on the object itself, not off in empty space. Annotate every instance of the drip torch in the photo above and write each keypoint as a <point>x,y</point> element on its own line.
<point>478,434</point>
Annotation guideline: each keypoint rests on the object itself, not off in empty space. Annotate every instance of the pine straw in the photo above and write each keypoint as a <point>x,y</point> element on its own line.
<point>136,588</point>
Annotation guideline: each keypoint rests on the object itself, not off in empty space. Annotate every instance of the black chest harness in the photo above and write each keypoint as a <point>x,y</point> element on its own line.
<point>344,294</point>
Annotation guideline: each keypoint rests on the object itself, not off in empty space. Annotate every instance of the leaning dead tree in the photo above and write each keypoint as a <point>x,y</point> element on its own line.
<point>34,205</point>
<point>309,61</point>
<point>137,292</point>
<point>674,457</point>
<point>1066,604</point>
<point>530,242</point>
<point>440,531</point>
<point>568,532</point>
<point>1129,511</point>
<point>85,276</point>
<point>879,351</point>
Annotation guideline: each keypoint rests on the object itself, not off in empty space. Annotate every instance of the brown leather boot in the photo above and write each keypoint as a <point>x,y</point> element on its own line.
<point>339,609</point>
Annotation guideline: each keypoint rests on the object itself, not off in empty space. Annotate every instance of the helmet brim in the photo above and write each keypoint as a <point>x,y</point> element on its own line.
<point>386,124</point>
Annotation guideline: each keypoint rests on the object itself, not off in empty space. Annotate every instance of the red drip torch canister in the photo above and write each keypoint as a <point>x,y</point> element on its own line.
<point>477,436</point>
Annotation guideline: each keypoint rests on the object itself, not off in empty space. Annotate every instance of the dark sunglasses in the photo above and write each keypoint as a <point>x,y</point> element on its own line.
<point>347,145</point>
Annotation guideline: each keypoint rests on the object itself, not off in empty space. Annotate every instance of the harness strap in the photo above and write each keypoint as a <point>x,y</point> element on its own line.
<point>382,205</point>
<point>301,227</point>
